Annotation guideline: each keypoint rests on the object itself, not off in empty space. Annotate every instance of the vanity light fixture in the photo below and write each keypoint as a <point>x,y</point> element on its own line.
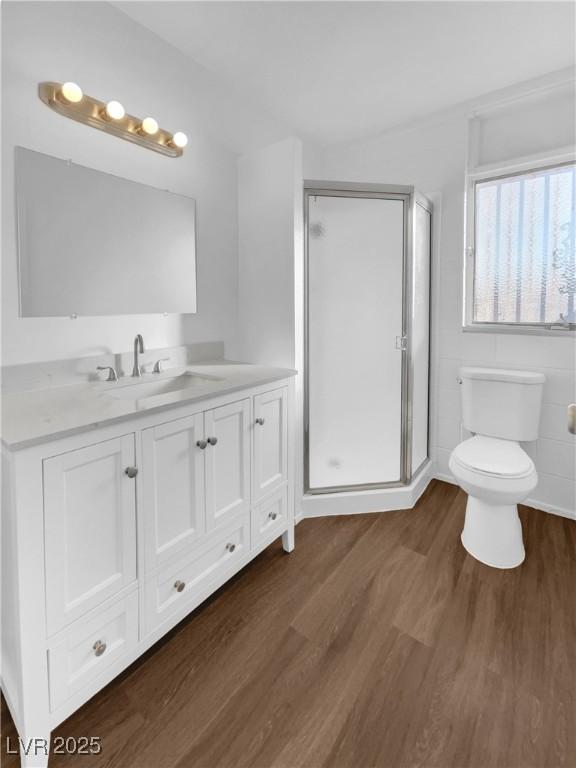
<point>149,126</point>
<point>71,92</point>
<point>114,111</point>
<point>179,139</point>
<point>68,99</point>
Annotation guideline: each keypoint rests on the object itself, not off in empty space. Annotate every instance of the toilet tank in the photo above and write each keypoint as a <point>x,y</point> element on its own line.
<point>501,403</point>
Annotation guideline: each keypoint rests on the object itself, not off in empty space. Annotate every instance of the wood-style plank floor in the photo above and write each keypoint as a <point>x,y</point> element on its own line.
<point>377,642</point>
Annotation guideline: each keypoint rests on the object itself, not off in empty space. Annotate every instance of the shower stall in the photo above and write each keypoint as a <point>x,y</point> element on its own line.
<point>367,312</point>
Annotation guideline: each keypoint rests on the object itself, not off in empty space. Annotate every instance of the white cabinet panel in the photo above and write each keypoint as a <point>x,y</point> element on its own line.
<point>270,442</point>
<point>88,648</point>
<point>270,518</point>
<point>174,589</point>
<point>173,488</point>
<point>90,528</point>
<point>227,462</point>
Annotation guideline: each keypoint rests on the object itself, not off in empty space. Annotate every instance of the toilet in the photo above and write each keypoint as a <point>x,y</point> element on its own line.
<point>501,408</point>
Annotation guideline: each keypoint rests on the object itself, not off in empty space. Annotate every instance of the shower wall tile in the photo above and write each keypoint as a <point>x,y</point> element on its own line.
<point>448,433</point>
<point>546,351</point>
<point>449,405</point>
<point>442,456</point>
<point>556,458</point>
<point>448,373</point>
<point>479,348</point>
<point>553,423</point>
<point>555,494</point>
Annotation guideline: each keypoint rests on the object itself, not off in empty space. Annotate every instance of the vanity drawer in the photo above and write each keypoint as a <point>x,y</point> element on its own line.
<point>270,517</point>
<point>174,588</point>
<point>89,647</point>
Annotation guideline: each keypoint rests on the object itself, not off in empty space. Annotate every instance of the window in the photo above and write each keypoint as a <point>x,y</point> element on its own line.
<point>524,269</point>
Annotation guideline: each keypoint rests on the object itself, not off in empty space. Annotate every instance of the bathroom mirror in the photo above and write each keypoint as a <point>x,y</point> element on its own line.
<point>90,243</point>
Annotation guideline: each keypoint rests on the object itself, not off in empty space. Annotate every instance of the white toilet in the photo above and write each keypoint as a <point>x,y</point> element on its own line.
<point>501,408</point>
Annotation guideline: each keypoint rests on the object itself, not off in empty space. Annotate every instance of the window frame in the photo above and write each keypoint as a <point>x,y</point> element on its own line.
<point>493,173</point>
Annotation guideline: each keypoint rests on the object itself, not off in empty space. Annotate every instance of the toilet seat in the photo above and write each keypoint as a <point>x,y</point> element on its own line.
<point>493,457</point>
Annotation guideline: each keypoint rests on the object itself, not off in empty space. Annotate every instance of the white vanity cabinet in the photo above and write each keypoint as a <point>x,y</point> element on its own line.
<point>270,466</point>
<point>172,488</point>
<point>228,431</point>
<point>89,527</point>
<point>113,535</point>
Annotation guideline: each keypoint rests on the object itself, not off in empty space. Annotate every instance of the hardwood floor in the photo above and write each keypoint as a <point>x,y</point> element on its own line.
<point>377,642</point>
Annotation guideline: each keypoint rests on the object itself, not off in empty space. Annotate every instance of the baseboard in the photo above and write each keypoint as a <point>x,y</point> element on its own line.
<point>445,478</point>
<point>544,507</point>
<point>362,502</point>
<point>535,503</point>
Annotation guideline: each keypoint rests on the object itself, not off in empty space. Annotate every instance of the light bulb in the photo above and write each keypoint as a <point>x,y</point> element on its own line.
<point>149,126</point>
<point>179,139</point>
<point>115,110</point>
<point>72,92</point>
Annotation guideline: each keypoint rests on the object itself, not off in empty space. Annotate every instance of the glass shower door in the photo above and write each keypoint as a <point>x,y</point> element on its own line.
<point>355,278</point>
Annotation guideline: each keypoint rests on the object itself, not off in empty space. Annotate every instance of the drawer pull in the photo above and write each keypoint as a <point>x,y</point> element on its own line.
<point>212,440</point>
<point>201,444</point>
<point>131,471</point>
<point>179,585</point>
<point>273,515</point>
<point>99,647</point>
<point>230,547</point>
<point>260,422</point>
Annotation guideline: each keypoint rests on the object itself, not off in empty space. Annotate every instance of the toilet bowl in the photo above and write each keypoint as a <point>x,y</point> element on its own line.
<point>497,475</point>
<point>501,408</point>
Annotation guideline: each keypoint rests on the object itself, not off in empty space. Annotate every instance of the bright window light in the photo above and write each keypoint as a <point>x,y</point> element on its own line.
<point>524,251</point>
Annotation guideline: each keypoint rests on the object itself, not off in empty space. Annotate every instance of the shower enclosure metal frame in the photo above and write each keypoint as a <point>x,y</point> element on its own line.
<point>410,197</point>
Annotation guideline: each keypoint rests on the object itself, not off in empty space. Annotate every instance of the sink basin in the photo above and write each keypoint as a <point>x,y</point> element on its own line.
<point>163,386</point>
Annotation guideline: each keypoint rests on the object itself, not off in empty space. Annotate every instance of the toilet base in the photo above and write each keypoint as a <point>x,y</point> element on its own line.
<point>493,534</point>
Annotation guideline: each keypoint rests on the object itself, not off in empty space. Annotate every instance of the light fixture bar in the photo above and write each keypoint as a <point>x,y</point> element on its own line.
<point>92,112</point>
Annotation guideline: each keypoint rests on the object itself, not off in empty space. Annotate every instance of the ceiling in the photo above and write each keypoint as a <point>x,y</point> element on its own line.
<point>341,71</point>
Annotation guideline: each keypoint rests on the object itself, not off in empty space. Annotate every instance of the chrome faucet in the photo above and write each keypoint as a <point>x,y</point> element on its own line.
<point>138,347</point>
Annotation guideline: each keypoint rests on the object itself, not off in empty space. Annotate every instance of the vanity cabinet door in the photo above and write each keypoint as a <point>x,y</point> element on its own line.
<point>270,442</point>
<point>90,528</point>
<point>173,488</point>
<point>227,431</point>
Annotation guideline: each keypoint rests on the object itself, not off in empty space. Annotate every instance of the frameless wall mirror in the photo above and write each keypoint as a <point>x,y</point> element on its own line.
<point>90,243</point>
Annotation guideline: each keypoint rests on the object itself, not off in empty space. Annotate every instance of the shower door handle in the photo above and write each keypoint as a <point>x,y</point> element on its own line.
<point>401,342</point>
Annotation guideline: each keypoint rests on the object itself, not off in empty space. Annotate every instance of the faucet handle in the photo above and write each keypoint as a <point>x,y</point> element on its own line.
<point>112,375</point>
<point>158,364</point>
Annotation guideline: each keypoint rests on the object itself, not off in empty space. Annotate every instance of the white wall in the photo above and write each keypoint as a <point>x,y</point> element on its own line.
<point>433,156</point>
<point>111,56</point>
<point>270,264</point>
<point>269,205</point>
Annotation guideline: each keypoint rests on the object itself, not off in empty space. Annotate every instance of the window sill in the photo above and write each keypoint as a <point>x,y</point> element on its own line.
<point>519,330</point>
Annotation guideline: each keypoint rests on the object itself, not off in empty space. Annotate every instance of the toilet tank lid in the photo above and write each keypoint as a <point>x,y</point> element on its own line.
<point>500,374</point>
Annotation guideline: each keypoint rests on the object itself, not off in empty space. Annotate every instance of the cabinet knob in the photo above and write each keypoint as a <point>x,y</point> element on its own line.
<point>212,440</point>
<point>273,515</point>
<point>131,471</point>
<point>99,647</point>
<point>201,444</point>
<point>230,547</point>
<point>260,422</point>
<point>179,585</point>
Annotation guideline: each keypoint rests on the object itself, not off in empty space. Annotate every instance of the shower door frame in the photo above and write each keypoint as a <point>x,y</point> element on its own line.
<point>381,192</point>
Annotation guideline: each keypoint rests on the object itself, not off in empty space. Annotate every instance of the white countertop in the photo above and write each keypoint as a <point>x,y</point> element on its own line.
<point>37,416</point>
